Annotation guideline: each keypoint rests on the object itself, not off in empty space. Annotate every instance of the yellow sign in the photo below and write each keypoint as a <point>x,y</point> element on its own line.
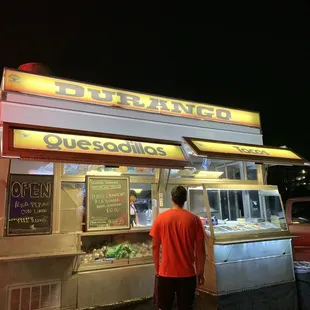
<point>239,149</point>
<point>59,142</point>
<point>27,83</point>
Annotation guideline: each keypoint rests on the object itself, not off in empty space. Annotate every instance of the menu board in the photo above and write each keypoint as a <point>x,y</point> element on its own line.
<point>30,200</point>
<point>107,203</point>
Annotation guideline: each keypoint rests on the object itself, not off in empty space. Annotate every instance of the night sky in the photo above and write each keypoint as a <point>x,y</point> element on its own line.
<point>265,70</point>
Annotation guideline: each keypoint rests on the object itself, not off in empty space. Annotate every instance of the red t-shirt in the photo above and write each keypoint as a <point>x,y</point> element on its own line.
<point>178,231</point>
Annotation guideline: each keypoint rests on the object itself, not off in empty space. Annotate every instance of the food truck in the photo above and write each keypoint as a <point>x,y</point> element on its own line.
<point>71,153</point>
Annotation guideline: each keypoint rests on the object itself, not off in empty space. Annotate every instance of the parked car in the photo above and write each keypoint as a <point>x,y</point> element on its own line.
<point>297,212</point>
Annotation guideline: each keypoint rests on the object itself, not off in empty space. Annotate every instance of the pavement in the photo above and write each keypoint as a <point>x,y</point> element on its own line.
<point>142,305</point>
<point>146,305</point>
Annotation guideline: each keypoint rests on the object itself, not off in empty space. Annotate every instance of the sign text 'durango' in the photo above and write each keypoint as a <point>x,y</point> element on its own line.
<point>155,104</point>
<point>27,83</point>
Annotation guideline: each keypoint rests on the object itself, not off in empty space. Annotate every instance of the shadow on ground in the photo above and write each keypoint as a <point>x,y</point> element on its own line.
<point>142,305</point>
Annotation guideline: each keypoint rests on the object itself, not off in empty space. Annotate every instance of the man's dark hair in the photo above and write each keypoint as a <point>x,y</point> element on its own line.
<point>179,195</point>
<point>132,193</point>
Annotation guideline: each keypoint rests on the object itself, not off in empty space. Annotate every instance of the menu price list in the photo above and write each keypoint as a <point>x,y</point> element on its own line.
<point>107,202</point>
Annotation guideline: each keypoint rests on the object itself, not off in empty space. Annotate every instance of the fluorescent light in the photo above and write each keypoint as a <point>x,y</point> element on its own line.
<point>137,190</point>
<point>208,174</point>
<point>103,173</point>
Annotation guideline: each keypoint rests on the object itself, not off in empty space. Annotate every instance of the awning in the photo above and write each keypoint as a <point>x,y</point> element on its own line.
<point>244,152</point>
<point>49,144</point>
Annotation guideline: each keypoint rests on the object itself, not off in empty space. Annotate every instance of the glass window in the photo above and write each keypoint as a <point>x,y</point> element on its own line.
<point>143,203</point>
<point>73,197</point>
<point>82,169</point>
<point>239,211</point>
<point>196,201</point>
<point>223,204</point>
<point>203,168</point>
<point>251,171</point>
<point>31,167</point>
<point>206,168</point>
<point>234,171</point>
<point>301,212</point>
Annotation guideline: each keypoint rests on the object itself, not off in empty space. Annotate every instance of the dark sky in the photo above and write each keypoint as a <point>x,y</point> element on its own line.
<point>264,68</point>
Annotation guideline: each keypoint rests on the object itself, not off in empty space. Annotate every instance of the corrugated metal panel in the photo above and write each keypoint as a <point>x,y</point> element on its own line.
<point>113,124</point>
<point>124,113</point>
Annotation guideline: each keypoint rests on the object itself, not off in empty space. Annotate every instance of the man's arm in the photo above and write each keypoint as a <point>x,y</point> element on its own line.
<point>200,259</point>
<point>155,234</point>
<point>156,253</point>
<point>200,255</point>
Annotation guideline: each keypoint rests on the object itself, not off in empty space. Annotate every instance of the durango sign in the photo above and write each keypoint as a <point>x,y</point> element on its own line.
<point>24,82</point>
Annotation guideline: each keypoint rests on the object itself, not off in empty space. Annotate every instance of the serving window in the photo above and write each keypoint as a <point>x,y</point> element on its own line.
<point>74,193</point>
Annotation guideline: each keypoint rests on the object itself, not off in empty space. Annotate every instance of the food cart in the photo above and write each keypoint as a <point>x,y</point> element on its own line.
<point>72,152</point>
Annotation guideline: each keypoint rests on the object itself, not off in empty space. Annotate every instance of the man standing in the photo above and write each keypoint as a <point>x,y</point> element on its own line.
<point>132,208</point>
<point>180,235</point>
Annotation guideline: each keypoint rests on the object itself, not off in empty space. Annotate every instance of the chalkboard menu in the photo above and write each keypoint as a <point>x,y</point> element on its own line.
<point>107,203</point>
<point>30,200</point>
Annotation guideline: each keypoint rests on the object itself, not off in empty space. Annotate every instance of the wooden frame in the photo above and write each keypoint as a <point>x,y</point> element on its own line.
<point>88,228</point>
<point>8,208</point>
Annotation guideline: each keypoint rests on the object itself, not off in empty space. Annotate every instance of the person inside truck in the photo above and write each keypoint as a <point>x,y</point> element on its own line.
<point>134,221</point>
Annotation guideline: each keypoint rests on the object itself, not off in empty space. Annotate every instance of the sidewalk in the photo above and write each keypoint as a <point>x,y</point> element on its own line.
<point>144,305</point>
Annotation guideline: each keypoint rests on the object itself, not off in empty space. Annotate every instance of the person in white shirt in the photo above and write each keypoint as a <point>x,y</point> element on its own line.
<point>133,211</point>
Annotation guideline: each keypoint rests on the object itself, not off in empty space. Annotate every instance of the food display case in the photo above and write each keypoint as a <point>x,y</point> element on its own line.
<point>239,212</point>
<point>110,251</point>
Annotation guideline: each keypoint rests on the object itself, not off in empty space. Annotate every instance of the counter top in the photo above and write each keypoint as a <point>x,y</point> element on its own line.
<point>115,232</point>
<point>39,256</point>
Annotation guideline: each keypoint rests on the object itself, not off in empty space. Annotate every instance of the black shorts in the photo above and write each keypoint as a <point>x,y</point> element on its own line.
<point>183,288</point>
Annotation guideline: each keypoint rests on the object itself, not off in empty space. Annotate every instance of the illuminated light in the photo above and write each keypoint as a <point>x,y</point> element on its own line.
<point>208,174</point>
<point>138,190</point>
<point>303,171</point>
<point>44,86</point>
<point>244,150</point>
<point>104,173</point>
<point>60,142</point>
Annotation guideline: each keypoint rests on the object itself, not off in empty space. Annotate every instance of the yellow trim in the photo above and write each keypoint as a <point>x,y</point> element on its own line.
<point>59,142</point>
<point>239,149</point>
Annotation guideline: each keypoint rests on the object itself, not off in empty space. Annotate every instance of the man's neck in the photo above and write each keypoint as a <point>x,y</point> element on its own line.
<point>176,207</point>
